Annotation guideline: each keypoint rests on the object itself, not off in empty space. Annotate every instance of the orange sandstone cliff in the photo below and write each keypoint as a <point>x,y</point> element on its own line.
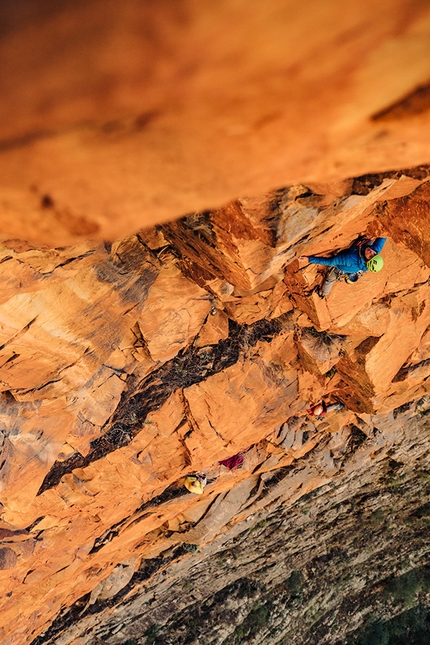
<point>163,166</point>
<point>126,367</point>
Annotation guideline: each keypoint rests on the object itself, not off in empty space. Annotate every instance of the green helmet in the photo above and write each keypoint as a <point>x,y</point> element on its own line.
<point>375,264</point>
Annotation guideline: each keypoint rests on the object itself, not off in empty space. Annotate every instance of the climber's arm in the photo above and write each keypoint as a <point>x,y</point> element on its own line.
<point>378,244</point>
<point>328,262</point>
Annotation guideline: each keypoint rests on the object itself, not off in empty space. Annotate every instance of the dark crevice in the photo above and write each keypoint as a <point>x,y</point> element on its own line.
<point>19,333</point>
<point>76,258</point>
<point>41,387</point>
<point>10,359</point>
<point>171,492</point>
<point>277,477</point>
<point>366,183</point>
<point>140,398</point>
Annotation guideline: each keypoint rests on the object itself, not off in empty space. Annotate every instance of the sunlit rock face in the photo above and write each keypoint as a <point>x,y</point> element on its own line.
<point>119,115</point>
<point>127,367</point>
<point>162,168</point>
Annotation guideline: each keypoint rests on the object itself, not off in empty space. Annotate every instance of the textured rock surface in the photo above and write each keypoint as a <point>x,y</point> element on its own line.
<point>127,367</point>
<point>118,115</point>
<point>309,572</point>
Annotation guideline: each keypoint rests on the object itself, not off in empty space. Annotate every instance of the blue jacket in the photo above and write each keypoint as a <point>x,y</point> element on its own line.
<point>349,260</point>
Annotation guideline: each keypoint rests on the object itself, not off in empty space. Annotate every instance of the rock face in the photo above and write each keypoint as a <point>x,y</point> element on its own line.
<point>118,115</point>
<point>162,168</point>
<point>126,367</point>
<point>311,571</point>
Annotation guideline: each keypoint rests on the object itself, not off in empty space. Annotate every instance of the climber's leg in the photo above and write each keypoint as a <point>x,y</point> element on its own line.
<point>328,282</point>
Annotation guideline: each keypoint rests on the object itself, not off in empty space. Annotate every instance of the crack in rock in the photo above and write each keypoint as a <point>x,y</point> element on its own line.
<point>187,368</point>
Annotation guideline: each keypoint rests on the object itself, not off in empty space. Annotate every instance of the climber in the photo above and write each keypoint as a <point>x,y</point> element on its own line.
<point>319,410</point>
<point>350,264</point>
<point>195,483</point>
<point>232,463</point>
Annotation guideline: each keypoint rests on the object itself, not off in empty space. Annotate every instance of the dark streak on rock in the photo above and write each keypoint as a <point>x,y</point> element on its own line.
<point>46,201</point>
<point>23,140</point>
<point>187,368</point>
<point>414,103</point>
